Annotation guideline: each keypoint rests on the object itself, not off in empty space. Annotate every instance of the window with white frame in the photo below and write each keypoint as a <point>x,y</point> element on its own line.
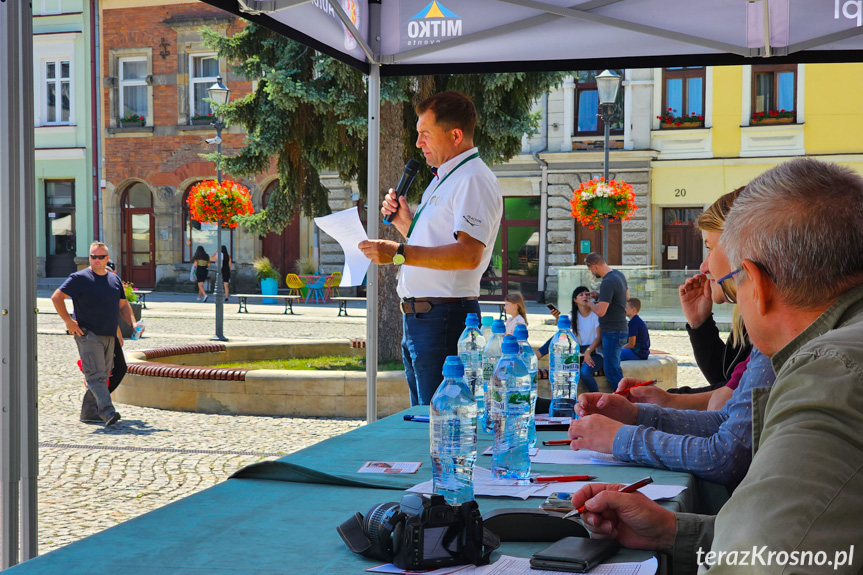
<point>48,7</point>
<point>58,91</point>
<point>203,71</point>
<point>133,87</point>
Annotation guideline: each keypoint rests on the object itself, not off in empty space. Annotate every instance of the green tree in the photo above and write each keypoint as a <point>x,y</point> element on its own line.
<point>309,114</point>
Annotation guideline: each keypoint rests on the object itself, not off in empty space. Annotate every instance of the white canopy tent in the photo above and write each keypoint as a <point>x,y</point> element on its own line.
<point>382,37</point>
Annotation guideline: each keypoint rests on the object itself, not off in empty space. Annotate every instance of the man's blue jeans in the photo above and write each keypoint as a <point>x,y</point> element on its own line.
<point>612,343</point>
<point>427,341</point>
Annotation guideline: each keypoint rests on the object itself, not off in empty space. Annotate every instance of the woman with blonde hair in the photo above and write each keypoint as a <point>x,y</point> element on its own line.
<point>514,307</point>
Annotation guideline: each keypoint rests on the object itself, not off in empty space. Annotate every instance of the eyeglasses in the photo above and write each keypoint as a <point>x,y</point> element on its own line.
<point>97,257</point>
<point>729,291</point>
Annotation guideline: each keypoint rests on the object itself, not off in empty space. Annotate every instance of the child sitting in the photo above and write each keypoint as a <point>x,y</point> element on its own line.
<point>514,307</point>
<point>638,346</point>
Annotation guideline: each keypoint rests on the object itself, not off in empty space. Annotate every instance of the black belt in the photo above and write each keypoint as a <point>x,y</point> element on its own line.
<point>425,304</point>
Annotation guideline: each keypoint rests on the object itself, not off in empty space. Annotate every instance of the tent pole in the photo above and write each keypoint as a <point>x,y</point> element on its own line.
<point>11,190</point>
<point>373,183</point>
<point>27,345</point>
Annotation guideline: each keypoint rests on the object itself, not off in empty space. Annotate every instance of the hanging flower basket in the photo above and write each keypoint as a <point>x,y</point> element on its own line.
<point>211,202</point>
<point>597,199</point>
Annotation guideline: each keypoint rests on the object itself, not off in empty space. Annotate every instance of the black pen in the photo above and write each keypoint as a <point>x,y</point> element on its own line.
<point>417,418</point>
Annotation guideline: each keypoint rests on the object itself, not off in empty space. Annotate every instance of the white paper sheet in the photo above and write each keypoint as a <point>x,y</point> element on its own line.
<point>508,565</point>
<point>484,483</point>
<point>531,451</point>
<point>653,491</point>
<point>569,457</point>
<point>345,227</point>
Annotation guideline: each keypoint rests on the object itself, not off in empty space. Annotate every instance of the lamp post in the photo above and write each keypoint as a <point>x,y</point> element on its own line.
<point>607,84</point>
<point>219,95</point>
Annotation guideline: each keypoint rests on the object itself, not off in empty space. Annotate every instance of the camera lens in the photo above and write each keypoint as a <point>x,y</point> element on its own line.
<point>375,525</point>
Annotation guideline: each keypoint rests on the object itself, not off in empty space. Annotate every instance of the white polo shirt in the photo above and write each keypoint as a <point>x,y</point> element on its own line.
<point>470,200</point>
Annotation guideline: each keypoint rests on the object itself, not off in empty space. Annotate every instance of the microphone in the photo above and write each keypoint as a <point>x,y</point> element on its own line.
<point>411,169</point>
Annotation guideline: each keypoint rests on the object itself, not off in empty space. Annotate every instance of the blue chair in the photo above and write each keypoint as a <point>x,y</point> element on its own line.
<point>316,289</point>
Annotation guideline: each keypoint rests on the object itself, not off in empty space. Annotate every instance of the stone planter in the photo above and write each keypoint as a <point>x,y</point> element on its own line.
<point>772,121</point>
<point>136,124</point>
<point>125,328</point>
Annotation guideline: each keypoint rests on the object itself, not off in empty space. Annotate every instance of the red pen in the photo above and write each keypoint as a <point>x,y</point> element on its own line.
<point>625,489</point>
<point>562,478</point>
<point>643,383</point>
<point>557,442</point>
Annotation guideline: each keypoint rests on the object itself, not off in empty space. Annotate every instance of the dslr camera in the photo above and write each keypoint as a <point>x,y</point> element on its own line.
<point>421,532</point>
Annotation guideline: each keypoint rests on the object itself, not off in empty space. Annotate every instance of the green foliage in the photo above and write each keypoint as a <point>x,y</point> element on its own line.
<point>264,268</point>
<point>309,114</point>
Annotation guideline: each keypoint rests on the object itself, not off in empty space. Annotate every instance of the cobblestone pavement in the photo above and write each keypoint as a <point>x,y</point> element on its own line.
<point>93,477</point>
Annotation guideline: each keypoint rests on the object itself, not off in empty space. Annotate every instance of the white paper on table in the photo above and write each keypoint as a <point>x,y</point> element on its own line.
<point>571,457</point>
<point>508,565</point>
<point>484,483</point>
<point>547,420</point>
<point>345,227</point>
<point>390,467</point>
<point>652,491</point>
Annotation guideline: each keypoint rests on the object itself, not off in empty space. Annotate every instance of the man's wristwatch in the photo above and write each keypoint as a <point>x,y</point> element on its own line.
<point>399,258</point>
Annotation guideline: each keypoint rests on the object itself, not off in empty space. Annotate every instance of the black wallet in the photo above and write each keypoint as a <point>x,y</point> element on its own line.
<point>574,554</point>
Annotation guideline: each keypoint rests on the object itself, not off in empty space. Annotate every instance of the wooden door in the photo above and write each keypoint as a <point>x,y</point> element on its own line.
<point>139,243</point>
<point>283,249</point>
<point>593,239</point>
<point>681,240</point>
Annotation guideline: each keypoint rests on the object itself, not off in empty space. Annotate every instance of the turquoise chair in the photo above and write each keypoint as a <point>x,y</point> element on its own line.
<point>317,290</point>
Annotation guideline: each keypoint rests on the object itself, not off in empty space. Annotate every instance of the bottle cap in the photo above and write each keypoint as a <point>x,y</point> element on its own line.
<point>453,367</point>
<point>498,326</point>
<point>510,345</point>
<point>520,332</point>
<point>563,322</point>
<point>486,320</point>
<point>471,320</point>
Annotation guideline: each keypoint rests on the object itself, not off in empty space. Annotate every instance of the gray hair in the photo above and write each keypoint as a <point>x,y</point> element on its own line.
<point>801,222</point>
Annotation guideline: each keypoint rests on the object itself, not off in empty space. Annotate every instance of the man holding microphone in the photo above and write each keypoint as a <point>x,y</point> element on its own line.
<point>448,241</point>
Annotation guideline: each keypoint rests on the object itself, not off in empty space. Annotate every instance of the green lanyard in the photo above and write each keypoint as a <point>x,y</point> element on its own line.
<point>422,207</point>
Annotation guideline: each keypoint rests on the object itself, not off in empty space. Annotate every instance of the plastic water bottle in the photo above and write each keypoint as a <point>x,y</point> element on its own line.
<point>452,430</point>
<point>490,354</point>
<point>487,320</point>
<point>470,346</point>
<point>563,370</point>
<point>139,329</point>
<point>509,396</point>
<point>529,357</point>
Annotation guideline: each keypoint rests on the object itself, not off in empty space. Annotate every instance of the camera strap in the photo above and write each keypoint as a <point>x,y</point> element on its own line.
<point>479,542</point>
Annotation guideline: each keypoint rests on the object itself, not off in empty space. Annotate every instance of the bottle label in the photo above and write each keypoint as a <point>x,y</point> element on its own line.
<point>487,369</point>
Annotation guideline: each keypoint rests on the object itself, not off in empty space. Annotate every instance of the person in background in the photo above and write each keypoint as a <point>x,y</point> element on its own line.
<point>98,299</point>
<point>202,264</point>
<point>226,267</point>
<point>514,308</point>
<point>611,309</point>
<point>89,407</point>
<point>638,345</point>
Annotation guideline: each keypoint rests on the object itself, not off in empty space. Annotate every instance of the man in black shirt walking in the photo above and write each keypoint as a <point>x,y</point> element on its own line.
<point>98,299</point>
<point>611,309</point>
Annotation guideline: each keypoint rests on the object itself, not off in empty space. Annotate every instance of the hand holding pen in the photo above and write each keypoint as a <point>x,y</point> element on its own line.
<point>642,384</point>
<point>632,487</point>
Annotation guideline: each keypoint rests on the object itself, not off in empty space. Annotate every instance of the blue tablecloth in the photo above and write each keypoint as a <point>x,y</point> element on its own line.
<point>281,517</point>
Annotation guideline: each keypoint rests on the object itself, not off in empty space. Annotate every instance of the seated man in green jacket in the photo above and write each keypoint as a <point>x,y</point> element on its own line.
<point>793,247</point>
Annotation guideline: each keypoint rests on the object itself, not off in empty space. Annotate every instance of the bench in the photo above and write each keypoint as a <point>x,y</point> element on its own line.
<point>497,303</point>
<point>142,296</point>
<point>242,297</point>
<point>343,303</point>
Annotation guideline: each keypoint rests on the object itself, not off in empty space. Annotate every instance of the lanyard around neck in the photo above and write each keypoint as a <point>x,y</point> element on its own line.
<point>422,207</point>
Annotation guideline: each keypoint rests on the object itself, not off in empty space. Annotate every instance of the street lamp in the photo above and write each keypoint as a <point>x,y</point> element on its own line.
<point>607,84</point>
<point>219,94</point>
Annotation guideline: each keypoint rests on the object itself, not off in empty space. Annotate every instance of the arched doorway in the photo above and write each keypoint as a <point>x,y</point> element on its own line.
<point>282,249</point>
<point>138,236</point>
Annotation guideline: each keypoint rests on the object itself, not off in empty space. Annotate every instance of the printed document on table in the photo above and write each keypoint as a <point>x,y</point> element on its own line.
<point>484,483</point>
<point>570,457</point>
<point>508,565</point>
<point>652,491</point>
<point>345,227</point>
